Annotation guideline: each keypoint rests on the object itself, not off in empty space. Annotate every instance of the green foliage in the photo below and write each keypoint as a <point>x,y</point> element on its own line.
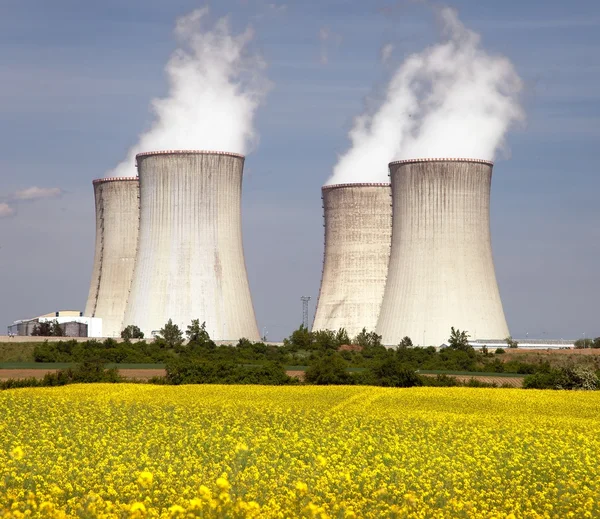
<point>392,373</point>
<point>197,333</point>
<point>499,351</point>
<point>587,343</point>
<point>254,361</point>
<point>170,335</point>
<point>48,329</point>
<point>132,332</point>
<point>368,339</point>
<point>341,337</point>
<point>108,351</point>
<point>328,370</point>
<point>511,343</point>
<point>301,339</point>
<point>198,371</point>
<point>573,377</point>
<point>90,371</point>
<point>459,340</point>
<point>324,340</point>
<point>406,342</point>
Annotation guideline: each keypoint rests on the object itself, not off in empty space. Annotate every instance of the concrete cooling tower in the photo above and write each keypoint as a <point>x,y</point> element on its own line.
<point>117,219</point>
<point>358,225</point>
<point>190,262</point>
<point>441,271</point>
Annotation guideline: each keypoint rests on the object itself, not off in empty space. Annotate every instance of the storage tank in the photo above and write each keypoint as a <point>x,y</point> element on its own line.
<point>441,272</point>
<point>190,261</point>
<point>117,220</point>
<point>358,223</point>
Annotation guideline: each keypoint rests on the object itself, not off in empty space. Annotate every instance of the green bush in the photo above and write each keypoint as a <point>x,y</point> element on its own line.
<point>328,370</point>
<point>392,373</point>
<point>197,371</point>
<point>578,377</point>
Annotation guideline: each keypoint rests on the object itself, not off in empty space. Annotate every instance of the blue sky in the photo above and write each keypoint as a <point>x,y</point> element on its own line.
<point>76,79</point>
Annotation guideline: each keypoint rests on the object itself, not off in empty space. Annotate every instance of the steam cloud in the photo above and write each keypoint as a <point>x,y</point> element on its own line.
<point>215,87</point>
<point>6,210</point>
<point>451,100</point>
<point>36,193</point>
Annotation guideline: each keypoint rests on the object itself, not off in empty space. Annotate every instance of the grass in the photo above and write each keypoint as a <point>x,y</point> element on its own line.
<point>16,351</point>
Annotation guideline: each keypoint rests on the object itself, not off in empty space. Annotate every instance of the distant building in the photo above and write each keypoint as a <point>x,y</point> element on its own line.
<point>72,323</point>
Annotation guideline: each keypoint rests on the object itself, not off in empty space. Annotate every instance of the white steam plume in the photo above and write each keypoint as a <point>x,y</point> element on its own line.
<point>215,87</point>
<point>451,100</point>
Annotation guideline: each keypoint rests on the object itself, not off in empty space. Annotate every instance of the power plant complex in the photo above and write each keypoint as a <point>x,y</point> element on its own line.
<point>411,260</point>
<point>358,227</point>
<point>169,246</point>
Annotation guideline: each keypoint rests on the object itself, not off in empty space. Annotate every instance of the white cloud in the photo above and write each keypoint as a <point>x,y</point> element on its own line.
<point>386,52</point>
<point>6,210</point>
<point>328,39</point>
<point>35,193</point>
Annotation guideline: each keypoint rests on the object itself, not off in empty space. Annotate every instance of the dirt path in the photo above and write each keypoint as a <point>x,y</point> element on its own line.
<point>140,374</point>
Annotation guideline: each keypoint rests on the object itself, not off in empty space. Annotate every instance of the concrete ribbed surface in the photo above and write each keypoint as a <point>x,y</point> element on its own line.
<point>117,218</point>
<point>357,247</point>
<point>190,262</point>
<point>441,272</point>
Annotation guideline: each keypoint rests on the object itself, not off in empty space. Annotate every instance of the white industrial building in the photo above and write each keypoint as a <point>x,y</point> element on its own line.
<point>441,271</point>
<point>72,322</point>
<point>190,257</point>
<point>358,226</point>
<point>117,222</point>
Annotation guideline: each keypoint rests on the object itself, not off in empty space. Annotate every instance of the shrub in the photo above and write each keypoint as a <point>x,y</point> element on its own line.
<point>392,373</point>
<point>170,335</point>
<point>579,377</point>
<point>132,332</point>
<point>500,351</point>
<point>199,371</point>
<point>328,370</point>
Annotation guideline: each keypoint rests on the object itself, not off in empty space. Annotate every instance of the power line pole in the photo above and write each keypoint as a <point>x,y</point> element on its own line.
<point>305,300</point>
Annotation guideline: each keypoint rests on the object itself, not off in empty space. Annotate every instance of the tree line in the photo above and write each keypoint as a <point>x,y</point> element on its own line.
<point>193,357</point>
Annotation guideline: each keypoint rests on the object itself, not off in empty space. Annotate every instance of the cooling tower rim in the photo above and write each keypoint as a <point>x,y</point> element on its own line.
<point>193,152</point>
<point>449,159</point>
<point>113,179</point>
<point>356,184</point>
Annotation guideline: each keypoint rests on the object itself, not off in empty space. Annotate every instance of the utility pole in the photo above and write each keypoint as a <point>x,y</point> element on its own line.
<point>305,300</point>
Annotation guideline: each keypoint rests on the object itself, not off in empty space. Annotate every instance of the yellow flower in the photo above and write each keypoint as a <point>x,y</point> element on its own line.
<point>204,492</point>
<point>145,479</point>
<point>137,507</point>
<point>223,484</point>
<point>17,453</point>
<point>176,510</point>
<point>301,487</point>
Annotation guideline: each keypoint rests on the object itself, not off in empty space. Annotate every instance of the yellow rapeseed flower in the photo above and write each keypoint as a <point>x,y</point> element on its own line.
<point>17,453</point>
<point>318,452</point>
<point>145,479</point>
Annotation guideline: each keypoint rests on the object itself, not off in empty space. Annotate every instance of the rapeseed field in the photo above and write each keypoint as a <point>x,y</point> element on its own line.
<point>340,452</point>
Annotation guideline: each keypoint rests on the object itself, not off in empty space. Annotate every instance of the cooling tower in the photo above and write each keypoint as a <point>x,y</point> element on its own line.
<point>117,218</point>
<point>358,226</point>
<point>190,261</point>
<point>441,271</point>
